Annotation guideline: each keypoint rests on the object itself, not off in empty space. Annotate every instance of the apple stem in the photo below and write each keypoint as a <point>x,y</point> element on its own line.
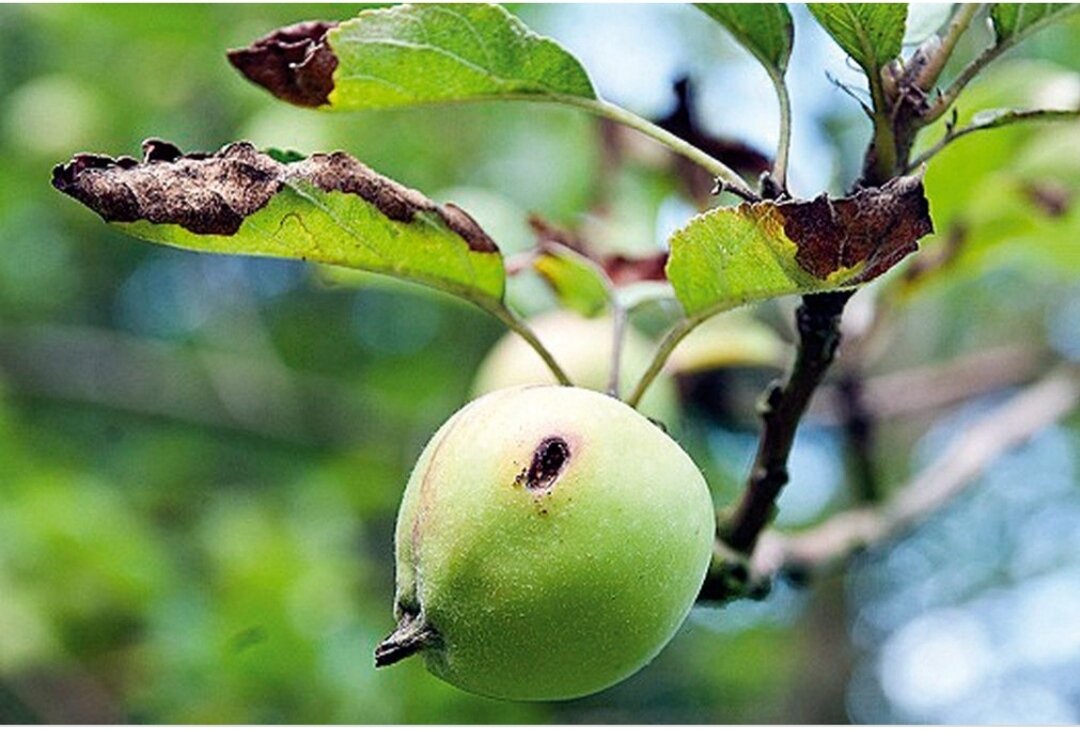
<point>411,636</point>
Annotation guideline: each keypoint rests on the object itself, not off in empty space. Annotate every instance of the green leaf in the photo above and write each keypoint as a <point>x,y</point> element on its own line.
<point>728,257</point>
<point>410,55</point>
<point>329,209</point>
<point>871,33</point>
<point>1013,21</point>
<point>579,284</point>
<point>764,29</point>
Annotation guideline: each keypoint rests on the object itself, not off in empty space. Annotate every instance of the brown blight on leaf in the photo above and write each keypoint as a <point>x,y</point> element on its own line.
<point>876,227</point>
<point>628,270</point>
<point>214,193</point>
<point>619,268</point>
<point>293,63</point>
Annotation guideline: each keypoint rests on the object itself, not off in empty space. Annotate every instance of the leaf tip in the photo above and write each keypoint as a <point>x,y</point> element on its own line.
<point>293,63</point>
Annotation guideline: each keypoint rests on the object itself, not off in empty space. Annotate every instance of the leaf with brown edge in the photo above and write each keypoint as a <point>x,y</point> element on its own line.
<point>409,55</point>
<point>327,208</point>
<point>727,257</point>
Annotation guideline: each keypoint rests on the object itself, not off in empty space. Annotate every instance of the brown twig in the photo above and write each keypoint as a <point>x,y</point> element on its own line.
<point>818,321</point>
<point>961,463</point>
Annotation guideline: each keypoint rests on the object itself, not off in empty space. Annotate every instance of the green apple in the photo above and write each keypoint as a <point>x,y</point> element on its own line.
<point>583,348</point>
<point>550,542</point>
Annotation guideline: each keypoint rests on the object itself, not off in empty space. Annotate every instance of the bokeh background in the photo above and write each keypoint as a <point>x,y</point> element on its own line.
<point>201,457</point>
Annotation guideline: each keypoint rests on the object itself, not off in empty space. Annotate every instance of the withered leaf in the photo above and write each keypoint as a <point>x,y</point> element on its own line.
<point>730,256</point>
<point>213,194</point>
<point>875,227</point>
<point>293,63</point>
<point>326,209</point>
<point>619,268</point>
<point>413,54</point>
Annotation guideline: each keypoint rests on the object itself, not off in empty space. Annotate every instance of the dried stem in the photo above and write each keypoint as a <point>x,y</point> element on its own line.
<point>818,320</point>
<point>411,636</point>
<point>827,545</point>
<point>962,462</point>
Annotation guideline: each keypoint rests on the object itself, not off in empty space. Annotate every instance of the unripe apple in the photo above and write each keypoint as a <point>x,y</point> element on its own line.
<point>582,346</point>
<point>550,542</point>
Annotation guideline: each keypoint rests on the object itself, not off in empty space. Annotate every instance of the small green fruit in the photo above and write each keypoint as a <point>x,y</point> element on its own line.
<point>550,542</point>
<point>583,348</point>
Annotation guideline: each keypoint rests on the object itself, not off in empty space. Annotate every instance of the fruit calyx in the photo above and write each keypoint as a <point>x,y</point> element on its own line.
<point>412,635</point>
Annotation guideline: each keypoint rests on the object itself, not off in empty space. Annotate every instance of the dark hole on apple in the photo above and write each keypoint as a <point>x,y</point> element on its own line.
<point>547,463</point>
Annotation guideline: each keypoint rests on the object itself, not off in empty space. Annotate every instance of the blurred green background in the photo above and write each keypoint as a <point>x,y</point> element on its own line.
<point>201,457</point>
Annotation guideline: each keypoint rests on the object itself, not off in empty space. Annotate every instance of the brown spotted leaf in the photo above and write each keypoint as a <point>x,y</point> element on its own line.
<point>727,257</point>
<point>410,55</point>
<point>585,280</point>
<point>327,208</point>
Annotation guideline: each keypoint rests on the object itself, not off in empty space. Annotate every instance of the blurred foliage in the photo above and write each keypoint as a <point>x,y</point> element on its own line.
<point>201,457</point>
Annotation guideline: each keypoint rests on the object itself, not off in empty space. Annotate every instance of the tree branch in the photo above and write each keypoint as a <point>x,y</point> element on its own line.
<point>927,75</point>
<point>960,464</point>
<point>818,320</point>
<point>973,69</point>
<point>991,120</point>
<point>860,433</point>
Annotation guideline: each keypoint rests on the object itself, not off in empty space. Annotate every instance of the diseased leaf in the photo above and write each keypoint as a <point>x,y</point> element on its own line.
<point>871,33</point>
<point>293,63</point>
<point>627,270</point>
<point>328,208</point>
<point>579,284</point>
<point>409,55</point>
<point>731,256</point>
<point>587,281</point>
<point>1015,20</point>
<point>764,29</point>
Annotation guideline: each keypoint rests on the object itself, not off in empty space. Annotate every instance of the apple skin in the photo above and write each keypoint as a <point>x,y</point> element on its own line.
<point>552,540</point>
<point>582,346</point>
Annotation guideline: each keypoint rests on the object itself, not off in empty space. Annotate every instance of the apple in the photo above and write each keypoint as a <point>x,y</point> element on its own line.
<point>550,542</point>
